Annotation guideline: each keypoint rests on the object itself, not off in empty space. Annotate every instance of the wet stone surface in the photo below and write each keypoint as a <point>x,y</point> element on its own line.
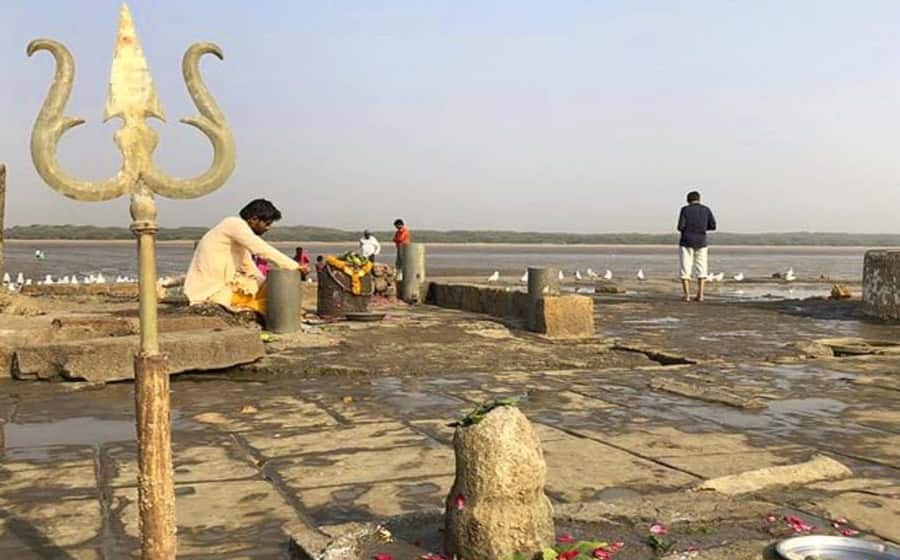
<point>348,422</point>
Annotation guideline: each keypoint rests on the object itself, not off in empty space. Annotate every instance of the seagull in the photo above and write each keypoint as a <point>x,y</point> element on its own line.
<point>28,282</point>
<point>578,275</point>
<point>494,277</point>
<point>6,278</point>
<point>789,275</point>
<point>561,275</point>
<point>739,277</point>
<point>640,274</point>
<point>74,279</point>
<point>48,279</point>
<point>716,277</point>
<point>524,277</point>
<point>20,279</point>
<point>592,274</point>
<point>100,278</point>
<point>607,275</point>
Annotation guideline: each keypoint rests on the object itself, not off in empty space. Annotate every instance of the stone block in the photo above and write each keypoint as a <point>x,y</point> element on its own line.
<point>118,291</point>
<point>308,296</point>
<point>881,284</point>
<point>101,360</point>
<point>6,359</point>
<point>565,316</point>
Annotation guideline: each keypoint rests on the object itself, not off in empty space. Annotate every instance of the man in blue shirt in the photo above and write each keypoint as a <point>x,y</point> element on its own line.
<point>694,221</point>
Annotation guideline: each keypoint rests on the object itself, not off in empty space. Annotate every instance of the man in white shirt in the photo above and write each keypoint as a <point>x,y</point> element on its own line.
<point>222,270</point>
<point>369,247</point>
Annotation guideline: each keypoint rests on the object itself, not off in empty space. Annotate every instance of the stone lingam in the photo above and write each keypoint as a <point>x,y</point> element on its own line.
<point>497,506</point>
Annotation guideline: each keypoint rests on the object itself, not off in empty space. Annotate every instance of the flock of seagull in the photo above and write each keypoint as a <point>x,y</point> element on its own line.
<point>21,281</point>
<point>608,275</point>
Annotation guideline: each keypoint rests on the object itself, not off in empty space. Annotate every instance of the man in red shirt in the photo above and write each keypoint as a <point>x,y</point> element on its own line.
<point>303,260</point>
<point>401,238</point>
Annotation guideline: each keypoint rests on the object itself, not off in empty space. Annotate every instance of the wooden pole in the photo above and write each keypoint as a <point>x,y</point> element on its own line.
<point>2,208</point>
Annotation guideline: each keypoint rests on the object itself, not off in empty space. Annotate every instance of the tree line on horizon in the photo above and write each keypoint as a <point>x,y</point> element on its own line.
<point>313,233</point>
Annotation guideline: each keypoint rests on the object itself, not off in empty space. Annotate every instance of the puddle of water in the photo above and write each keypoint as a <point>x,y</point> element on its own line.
<point>810,407</point>
<point>70,431</point>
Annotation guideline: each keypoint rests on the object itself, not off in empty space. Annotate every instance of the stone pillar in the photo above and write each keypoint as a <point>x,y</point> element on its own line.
<point>413,272</point>
<point>282,301</point>
<point>497,506</point>
<point>541,282</point>
<point>881,284</point>
<point>2,208</point>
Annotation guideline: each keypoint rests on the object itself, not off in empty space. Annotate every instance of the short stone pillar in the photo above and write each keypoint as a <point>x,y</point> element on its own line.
<point>282,300</point>
<point>497,506</point>
<point>881,284</point>
<point>413,260</point>
<point>334,295</point>
<point>541,282</point>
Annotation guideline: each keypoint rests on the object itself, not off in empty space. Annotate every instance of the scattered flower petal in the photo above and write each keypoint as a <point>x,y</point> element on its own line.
<point>565,538</point>
<point>659,529</point>
<point>849,532</point>
<point>568,555</point>
<point>380,556</point>
<point>602,554</point>
<point>841,520</point>
<point>771,518</point>
<point>459,502</point>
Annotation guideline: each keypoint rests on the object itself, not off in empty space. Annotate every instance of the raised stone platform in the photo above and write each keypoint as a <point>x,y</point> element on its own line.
<point>101,360</point>
<point>881,284</point>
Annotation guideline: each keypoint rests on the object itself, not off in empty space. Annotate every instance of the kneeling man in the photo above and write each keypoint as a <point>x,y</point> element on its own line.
<point>222,270</point>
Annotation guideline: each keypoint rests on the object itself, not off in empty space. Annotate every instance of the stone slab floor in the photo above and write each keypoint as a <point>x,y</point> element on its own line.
<point>346,422</point>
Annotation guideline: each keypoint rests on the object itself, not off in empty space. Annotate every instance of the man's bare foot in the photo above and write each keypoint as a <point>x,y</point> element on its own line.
<point>699,298</point>
<point>686,298</point>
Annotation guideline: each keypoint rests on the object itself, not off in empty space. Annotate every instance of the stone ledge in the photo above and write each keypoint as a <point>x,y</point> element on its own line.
<point>101,360</point>
<point>567,316</point>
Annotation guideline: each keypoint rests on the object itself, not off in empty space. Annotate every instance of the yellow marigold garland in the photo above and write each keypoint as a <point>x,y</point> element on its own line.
<point>356,273</point>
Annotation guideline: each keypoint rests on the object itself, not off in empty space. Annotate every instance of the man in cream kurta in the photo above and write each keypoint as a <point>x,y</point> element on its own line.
<point>222,270</point>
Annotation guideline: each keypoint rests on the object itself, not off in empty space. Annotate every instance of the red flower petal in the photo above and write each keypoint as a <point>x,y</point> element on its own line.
<point>849,532</point>
<point>380,556</point>
<point>659,529</point>
<point>565,538</point>
<point>602,554</point>
<point>568,555</point>
<point>459,502</point>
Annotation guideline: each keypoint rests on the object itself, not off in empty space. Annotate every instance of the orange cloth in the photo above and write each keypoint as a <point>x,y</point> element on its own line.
<point>402,236</point>
<point>256,302</point>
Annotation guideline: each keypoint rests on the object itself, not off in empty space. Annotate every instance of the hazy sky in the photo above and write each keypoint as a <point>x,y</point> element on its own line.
<point>587,116</point>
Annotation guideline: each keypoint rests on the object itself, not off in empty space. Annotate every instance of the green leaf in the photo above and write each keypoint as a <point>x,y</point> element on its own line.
<point>549,554</point>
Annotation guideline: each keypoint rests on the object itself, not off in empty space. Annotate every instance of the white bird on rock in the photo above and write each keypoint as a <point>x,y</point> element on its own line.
<point>100,278</point>
<point>578,275</point>
<point>561,276</point>
<point>640,274</point>
<point>494,277</point>
<point>739,277</point>
<point>524,277</point>
<point>20,279</point>
<point>74,279</point>
<point>716,277</point>
<point>28,282</point>
<point>6,278</point>
<point>592,274</point>
<point>789,275</point>
<point>48,279</point>
<point>607,275</point>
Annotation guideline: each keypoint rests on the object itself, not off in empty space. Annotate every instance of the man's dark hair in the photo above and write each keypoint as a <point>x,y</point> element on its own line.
<point>262,209</point>
<point>298,249</point>
<point>398,222</point>
<point>320,258</point>
<point>693,196</point>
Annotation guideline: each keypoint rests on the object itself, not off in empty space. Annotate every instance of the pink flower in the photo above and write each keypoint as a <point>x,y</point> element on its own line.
<point>849,532</point>
<point>459,502</point>
<point>771,518</point>
<point>659,529</point>
<point>380,556</point>
<point>568,555</point>
<point>602,554</point>
<point>798,525</point>
<point>616,546</point>
<point>565,538</point>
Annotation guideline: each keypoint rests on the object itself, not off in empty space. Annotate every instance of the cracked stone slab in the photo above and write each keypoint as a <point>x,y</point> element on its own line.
<point>218,518</point>
<point>61,523</point>
<point>271,414</point>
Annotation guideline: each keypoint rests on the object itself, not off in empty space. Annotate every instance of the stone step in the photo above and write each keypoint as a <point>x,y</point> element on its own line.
<point>101,360</point>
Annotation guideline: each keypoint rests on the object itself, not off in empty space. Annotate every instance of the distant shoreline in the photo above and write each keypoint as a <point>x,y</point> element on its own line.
<point>350,244</point>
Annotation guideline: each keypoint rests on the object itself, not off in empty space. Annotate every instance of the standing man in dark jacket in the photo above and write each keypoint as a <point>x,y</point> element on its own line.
<point>694,221</point>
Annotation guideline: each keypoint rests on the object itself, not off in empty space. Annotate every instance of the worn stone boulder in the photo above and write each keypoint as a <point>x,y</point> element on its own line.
<point>497,505</point>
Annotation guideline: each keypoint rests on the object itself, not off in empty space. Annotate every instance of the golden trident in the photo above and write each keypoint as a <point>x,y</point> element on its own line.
<point>132,97</point>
